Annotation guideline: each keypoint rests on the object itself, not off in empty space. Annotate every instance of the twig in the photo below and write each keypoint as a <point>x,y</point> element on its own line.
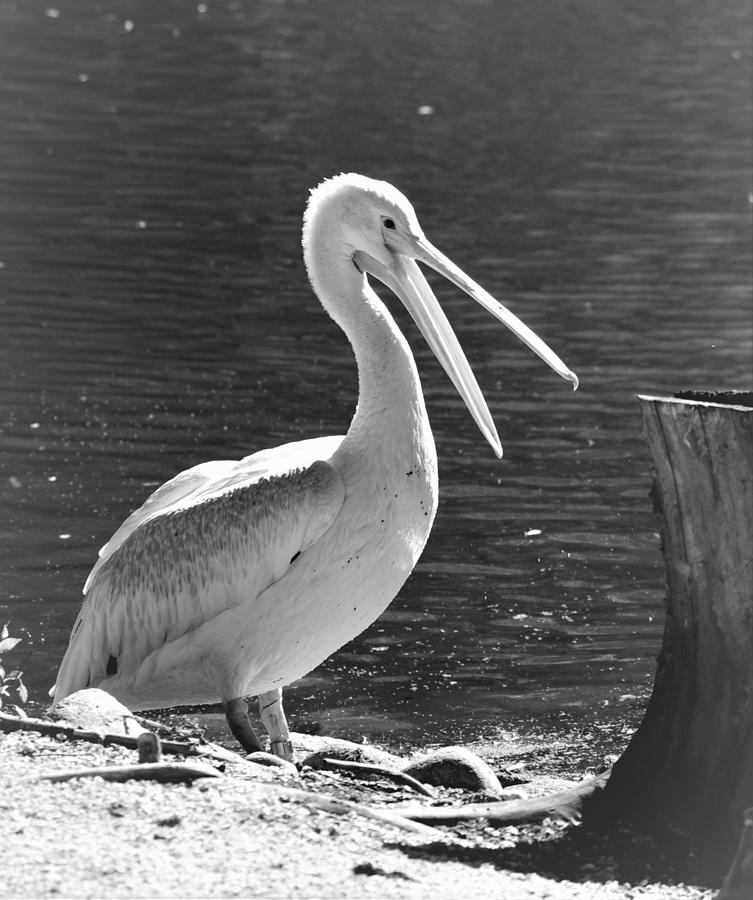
<point>153,725</point>
<point>562,805</point>
<point>374,769</point>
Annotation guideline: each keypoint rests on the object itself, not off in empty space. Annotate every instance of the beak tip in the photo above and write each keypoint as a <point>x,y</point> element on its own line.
<point>573,378</point>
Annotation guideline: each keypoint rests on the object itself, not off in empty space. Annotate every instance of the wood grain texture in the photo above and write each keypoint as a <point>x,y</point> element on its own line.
<point>689,766</point>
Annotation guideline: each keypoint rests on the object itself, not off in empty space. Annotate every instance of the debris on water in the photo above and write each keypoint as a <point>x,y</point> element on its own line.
<point>425,110</point>
<point>532,532</point>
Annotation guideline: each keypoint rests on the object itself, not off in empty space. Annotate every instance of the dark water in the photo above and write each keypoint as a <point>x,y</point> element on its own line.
<point>586,161</point>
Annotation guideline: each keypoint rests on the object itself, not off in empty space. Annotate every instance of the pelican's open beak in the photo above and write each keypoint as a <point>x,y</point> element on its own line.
<point>405,278</point>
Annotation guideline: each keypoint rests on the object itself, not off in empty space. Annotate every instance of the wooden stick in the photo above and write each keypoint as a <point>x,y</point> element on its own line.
<point>337,807</point>
<point>561,805</point>
<point>152,724</point>
<point>166,773</point>
<point>180,772</point>
<point>373,769</point>
<point>176,748</point>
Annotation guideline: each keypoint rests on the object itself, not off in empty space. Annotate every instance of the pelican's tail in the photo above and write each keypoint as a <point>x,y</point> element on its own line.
<point>77,670</point>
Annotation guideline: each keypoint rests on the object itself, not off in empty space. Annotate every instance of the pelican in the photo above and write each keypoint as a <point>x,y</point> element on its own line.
<point>236,578</point>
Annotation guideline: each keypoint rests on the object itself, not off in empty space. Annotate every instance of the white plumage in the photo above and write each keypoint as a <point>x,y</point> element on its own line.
<point>236,578</point>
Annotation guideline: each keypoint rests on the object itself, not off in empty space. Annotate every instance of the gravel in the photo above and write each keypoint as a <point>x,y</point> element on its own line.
<point>240,836</point>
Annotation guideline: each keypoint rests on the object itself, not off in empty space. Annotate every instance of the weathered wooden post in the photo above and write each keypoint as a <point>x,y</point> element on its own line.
<point>689,767</point>
<point>687,774</point>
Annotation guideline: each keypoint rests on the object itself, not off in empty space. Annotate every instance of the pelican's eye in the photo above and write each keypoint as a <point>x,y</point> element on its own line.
<point>389,223</point>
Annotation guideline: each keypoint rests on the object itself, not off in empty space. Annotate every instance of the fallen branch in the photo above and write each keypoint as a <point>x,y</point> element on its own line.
<point>174,748</point>
<point>373,769</point>
<point>165,773</point>
<point>337,807</point>
<point>565,805</point>
<point>152,724</point>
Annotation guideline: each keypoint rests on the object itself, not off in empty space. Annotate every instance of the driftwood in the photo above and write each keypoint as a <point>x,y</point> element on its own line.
<point>175,748</point>
<point>167,773</point>
<point>564,805</point>
<point>338,807</point>
<point>688,769</point>
<point>261,758</point>
<point>359,768</point>
<point>149,767</point>
<point>149,745</point>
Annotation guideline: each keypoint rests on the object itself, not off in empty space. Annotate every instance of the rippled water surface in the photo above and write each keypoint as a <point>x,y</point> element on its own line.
<point>588,162</point>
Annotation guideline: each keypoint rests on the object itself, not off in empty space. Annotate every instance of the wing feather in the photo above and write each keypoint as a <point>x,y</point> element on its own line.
<point>211,479</point>
<point>202,545</point>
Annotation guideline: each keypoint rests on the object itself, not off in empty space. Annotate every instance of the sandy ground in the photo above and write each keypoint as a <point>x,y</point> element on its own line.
<point>241,836</point>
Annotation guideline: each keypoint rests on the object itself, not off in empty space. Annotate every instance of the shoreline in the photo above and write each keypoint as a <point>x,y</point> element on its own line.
<point>247,834</point>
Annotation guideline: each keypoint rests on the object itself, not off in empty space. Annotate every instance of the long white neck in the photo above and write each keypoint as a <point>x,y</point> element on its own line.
<point>391,406</point>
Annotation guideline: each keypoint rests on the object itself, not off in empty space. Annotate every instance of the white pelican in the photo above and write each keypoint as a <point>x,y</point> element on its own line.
<point>235,578</point>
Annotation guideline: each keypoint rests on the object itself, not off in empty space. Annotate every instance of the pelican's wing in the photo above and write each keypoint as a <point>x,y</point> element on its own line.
<point>196,553</point>
<point>214,478</point>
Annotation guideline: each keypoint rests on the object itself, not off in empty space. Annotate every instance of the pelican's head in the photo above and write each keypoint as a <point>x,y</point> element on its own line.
<point>380,234</point>
<point>370,217</point>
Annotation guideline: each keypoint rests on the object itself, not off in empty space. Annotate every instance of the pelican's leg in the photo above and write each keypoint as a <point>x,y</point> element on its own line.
<point>273,717</point>
<point>236,713</point>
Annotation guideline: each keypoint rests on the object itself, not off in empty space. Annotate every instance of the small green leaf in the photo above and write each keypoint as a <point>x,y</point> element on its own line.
<point>23,694</point>
<point>8,643</point>
<point>4,632</point>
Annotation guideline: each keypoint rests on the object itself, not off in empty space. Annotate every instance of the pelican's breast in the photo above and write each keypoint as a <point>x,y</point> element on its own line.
<point>343,583</point>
